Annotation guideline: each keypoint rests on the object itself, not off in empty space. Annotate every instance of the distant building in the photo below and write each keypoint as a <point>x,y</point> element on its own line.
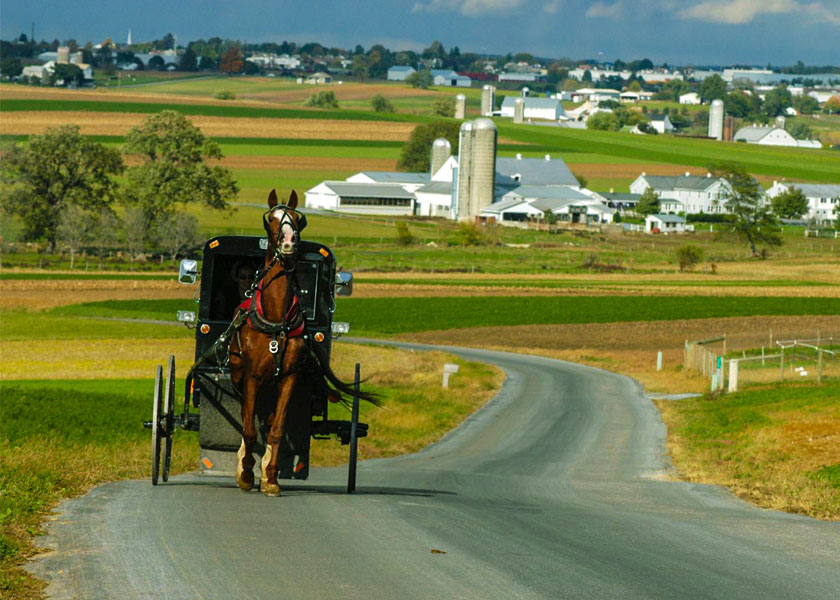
<point>823,200</point>
<point>550,109</point>
<point>772,136</point>
<point>361,198</point>
<point>400,73</point>
<point>595,95</point>
<point>687,193</point>
<point>449,78</point>
<point>662,124</point>
<point>690,98</point>
<point>664,224</point>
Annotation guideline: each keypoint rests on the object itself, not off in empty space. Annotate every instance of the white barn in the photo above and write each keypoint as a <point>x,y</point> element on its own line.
<point>399,72</point>
<point>772,136</point>
<point>361,198</point>
<point>549,109</point>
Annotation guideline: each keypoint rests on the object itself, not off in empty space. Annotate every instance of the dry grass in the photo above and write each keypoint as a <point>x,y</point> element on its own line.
<point>343,92</point>
<point>36,122</point>
<point>631,170</point>
<point>39,294</point>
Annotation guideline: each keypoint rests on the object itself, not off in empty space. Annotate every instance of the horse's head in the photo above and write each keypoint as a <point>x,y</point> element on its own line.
<point>283,224</point>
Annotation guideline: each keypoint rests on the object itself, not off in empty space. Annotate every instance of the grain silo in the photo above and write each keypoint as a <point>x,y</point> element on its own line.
<point>460,106</point>
<point>488,100</point>
<point>728,129</point>
<point>63,55</point>
<point>441,151</point>
<point>482,165</point>
<point>519,110</point>
<point>716,120</point>
<point>780,122</point>
<point>462,199</point>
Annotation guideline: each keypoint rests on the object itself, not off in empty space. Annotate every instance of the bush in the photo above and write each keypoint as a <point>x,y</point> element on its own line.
<point>444,106</point>
<point>224,95</point>
<point>689,255</point>
<point>404,237</point>
<point>380,103</point>
<point>468,234</point>
<point>322,99</point>
<point>603,121</point>
<point>708,218</point>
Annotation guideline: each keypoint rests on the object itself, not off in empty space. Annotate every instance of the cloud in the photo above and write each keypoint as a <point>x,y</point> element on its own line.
<point>469,8</point>
<point>738,12</point>
<point>552,6</point>
<point>602,10</point>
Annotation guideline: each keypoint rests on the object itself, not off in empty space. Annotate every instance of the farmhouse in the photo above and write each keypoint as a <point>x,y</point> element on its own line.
<point>549,109</point>
<point>823,200</point>
<point>685,193</point>
<point>526,202</point>
<point>772,136</point>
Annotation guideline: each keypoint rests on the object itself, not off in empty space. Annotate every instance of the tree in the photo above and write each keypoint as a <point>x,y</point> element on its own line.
<point>776,101</point>
<point>790,204</point>
<point>753,220</point>
<point>444,106</point>
<point>420,79</point>
<point>415,155</point>
<point>380,103</point>
<point>206,63</point>
<point>635,86</point>
<point>603,121</point>
<point>176,233</point>
<point>174,173</point>
<point>55,170</point>
<point>404,236</point>
<point>232,61</point>
<point>135,228</point>
<point>360,66</point>
<point>689,255</point>
<point>10,66</point>
<point>805,104</point>
<point>251,68</point>
<point>69,74</point>
<point>188,61</point>
<point>104,229</point>
<point>742,106</point>
<point>648,203</point>
<point>832,106</point>
<point>74,226</point>
<point>800,130</point>
<point>156,63</point>
<point>713,88</point>
<point>322,99</point>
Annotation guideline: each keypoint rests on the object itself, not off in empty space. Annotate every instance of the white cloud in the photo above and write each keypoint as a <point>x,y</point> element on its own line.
<point>736,12</point>
<point>552,6</point>
<point>469,8</point>
<point>602,10</point>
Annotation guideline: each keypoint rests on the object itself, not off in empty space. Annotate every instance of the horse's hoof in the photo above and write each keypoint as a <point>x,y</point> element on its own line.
<point>244,485</point>
<point>271,489</point>
<point>264,465</point>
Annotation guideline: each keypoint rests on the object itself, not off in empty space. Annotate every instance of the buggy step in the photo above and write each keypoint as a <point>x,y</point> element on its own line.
<point>324,429</point>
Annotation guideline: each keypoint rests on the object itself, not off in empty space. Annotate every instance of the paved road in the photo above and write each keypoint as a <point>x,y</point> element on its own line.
<point>554,490</point>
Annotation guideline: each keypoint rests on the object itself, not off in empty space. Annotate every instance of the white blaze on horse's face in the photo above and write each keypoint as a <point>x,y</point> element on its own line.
<point>286,235</point>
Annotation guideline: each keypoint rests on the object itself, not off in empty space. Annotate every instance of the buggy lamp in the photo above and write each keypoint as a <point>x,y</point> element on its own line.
<point>186,316</point>
<point>339,328</point>
<point>188,271</point>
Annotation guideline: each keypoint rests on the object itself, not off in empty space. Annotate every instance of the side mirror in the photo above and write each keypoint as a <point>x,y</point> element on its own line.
<point>344,284</point>
<point>188,271</point>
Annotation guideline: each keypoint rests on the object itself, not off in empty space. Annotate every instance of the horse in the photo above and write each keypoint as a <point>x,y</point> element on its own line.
<point>271,346</point>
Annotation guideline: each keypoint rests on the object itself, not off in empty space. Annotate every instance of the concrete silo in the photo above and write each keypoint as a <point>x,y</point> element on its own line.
<point>482,165</point>
<point>441,151</point>
<point>63,55</point>
<point>462,199</point>
<point>488,100</point>
<point>460,106</point>
<point>519,110</point>
<point>716,120</point>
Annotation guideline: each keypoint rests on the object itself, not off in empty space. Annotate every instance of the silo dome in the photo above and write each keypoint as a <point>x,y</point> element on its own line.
<point>483,123</point>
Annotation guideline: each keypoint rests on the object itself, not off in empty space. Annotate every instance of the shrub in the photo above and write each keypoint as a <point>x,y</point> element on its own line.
<point>444,106</point>
<point>322,99</point>
<point>404,237</point>
<point>224,95</point>
<point>689,255</point>
<point>380,103</point>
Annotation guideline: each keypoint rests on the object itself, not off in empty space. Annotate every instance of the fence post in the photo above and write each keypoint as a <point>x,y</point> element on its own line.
<point>762,356</point>
<point>782,363</point>
<point>733,375</point>
<point>659,360</point>
<point>819,365</point>
<point>724,344</point>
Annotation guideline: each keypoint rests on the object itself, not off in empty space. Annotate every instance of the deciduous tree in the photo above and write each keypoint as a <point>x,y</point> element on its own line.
<point>52,171</point>
<point>648,203</point>
<point>791,204</point>
<point>416,153</point>
<point>232,61</point>
<point>444,106</point>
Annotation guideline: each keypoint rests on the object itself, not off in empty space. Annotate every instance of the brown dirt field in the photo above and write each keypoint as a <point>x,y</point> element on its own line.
<point>38,294</point>
<point>631,170</point>
<point>298,163</point>
<point>346,91</point>
<point>90,123</point>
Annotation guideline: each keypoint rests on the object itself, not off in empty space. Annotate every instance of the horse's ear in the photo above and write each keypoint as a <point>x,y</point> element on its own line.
<point>272,199</point>
<point>293,200</point>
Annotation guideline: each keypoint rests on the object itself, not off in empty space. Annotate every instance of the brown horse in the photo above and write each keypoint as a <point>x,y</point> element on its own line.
<point>272,348</point>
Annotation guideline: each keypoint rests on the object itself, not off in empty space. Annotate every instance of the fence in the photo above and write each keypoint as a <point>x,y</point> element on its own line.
<point>800,358</point>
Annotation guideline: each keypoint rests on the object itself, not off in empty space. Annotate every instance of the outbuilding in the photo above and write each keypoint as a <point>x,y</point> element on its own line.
<point>664,224</point>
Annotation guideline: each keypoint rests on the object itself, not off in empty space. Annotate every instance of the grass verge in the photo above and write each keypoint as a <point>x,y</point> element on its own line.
<point>777,446</point>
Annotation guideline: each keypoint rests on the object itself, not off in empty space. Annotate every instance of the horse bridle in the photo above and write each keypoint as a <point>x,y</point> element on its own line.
<point>278,255</point>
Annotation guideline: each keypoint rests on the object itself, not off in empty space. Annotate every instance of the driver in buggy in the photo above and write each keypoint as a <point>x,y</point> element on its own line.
<point>231,294</point>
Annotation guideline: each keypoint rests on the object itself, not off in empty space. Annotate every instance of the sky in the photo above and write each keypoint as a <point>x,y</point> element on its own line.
<point>686,32</point>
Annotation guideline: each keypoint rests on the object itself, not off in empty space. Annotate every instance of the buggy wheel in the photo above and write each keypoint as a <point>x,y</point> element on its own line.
<point>169,416</point>
<point>157,409</point>
<point>354,440</point>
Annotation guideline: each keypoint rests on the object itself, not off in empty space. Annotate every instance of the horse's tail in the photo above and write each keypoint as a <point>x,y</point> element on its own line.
<point>320,354</point>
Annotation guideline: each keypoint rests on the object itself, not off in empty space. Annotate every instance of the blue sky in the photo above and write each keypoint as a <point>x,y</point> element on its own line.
<point>678,32</point>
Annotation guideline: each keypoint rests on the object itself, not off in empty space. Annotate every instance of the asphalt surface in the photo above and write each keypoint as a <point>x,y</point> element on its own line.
<point>555,489</point>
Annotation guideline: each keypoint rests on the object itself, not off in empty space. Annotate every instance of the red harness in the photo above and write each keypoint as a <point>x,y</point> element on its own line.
<point>291,314</point>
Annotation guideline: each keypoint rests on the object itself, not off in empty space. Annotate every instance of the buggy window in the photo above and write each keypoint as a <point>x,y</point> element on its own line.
<point>232,277</point>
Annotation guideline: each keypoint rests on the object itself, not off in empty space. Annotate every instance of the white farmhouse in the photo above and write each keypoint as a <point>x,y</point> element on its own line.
<point>549,109</point>
<point>823,200</point>
<point>772,136</point>
<point>687,193</point>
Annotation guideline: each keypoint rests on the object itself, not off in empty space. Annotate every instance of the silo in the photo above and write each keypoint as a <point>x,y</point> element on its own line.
<point>462,199</point>
<point>525,91</point>
<point>728,129</point>
<point>460,106</point>
<point>716,120</point>
<point>519,110</point>
<point>483,165</point>
<point>63,55</point>
<point>780,122</point>
<point>441,151</point>
<point>486,95</point>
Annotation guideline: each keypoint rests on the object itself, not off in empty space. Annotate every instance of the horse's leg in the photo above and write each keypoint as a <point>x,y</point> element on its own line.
<point>245,464</point>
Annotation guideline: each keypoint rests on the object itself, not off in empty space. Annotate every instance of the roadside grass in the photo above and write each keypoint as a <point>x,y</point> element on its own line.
<point>61,437</point>
<point>393,316</point>
<point>775,445</point>
<point>23,325</point>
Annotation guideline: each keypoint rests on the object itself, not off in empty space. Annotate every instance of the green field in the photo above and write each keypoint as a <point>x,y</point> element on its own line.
<point>391,316</point>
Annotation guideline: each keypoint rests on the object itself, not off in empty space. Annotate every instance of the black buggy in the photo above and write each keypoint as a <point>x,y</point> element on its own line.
<point>208,386</point>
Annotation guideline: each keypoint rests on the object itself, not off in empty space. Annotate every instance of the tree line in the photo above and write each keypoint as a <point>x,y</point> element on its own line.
<point>65,189</point>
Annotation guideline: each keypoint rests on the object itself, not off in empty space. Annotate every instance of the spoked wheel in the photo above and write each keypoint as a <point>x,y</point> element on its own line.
<point>157,410</point>
<point>354,440</point>
<point>169,417</point>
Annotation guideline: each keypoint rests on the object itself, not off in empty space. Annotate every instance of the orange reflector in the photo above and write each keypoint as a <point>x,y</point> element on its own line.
<point>324,252</point>
<point>205,328</point>
<point>299,467</point>
<point>206,462</point>
<point>214,244</point>
<point>192,387</point>
<point>319,337</point>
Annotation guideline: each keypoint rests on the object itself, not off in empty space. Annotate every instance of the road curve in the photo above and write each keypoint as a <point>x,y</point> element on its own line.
<point>555,489</point>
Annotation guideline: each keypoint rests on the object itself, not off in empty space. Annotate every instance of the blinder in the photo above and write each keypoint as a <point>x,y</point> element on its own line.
<point>301,218</point>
